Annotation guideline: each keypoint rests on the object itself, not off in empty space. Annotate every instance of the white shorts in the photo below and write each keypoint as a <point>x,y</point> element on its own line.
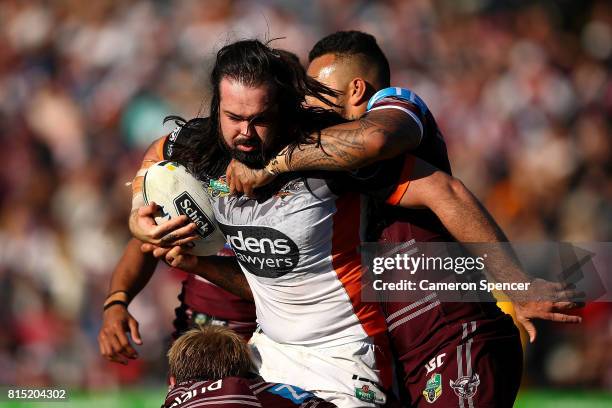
<point>348,375</point>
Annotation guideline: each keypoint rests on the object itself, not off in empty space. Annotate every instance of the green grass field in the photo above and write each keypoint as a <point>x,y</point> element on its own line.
<point>149,398</point>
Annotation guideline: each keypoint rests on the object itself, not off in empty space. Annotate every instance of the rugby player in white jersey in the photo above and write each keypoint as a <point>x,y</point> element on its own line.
<point>305,283</point>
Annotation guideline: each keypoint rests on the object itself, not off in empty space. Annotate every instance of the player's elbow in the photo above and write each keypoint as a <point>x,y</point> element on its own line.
<point>448,190</point>
<point>372,149</point>
<point>457,193</point>
<point>391,133</point>
<point>457,189</point>
<point>379,146</point>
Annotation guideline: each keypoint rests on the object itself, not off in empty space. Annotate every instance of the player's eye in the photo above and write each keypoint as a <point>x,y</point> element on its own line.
<point>262,121</point>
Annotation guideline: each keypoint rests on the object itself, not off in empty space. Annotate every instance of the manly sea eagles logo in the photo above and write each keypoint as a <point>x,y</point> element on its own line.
<point>465,387</point>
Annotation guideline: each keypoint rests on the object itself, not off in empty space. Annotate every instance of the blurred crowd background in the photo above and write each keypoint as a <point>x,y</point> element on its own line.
<point>521,89</point>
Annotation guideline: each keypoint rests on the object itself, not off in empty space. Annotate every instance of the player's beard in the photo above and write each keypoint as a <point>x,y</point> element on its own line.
<point>255,159</point>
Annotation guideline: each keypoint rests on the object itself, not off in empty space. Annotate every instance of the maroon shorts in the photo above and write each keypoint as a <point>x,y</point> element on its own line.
<point>464,363</point>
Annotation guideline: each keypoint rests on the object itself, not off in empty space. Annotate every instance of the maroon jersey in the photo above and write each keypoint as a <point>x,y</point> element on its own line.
<point>203,302</point>
<point>390,223</point>
<point>236,392</point>
<point>206,297</point>
<point>446,349</point>
<point>395,224</point>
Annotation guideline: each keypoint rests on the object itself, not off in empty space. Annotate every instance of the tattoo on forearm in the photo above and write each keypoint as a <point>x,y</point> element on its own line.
<point>340,149</point>
<point>273,166</point>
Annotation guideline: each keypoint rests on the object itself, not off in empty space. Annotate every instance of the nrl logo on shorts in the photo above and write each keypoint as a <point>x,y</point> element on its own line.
<point>466,386</point>
<point>433,388</point>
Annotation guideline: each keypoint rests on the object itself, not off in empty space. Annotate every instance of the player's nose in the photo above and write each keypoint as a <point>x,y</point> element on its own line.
<point>245,128</point>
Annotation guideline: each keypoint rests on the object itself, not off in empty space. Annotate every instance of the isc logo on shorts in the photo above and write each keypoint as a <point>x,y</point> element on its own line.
<point>435,362</point>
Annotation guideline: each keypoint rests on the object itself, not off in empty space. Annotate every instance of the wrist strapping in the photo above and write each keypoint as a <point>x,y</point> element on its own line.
<point>138,201</point>
<point>113,303</point>
<point>278,164</point>
<point>118,291</point>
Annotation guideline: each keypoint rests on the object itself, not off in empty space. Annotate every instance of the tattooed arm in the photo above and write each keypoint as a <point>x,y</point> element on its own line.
<point>376,136</point>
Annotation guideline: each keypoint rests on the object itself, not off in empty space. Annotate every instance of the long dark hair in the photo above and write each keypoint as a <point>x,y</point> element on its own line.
<point>253,63</point>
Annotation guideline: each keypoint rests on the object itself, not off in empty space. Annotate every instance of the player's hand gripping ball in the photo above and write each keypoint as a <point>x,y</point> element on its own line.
<point>177,192</point>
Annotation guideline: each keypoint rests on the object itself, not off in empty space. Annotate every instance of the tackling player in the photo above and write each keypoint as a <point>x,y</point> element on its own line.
<point>211,367</point>
<point>330,133</point>
<point>438,343</point>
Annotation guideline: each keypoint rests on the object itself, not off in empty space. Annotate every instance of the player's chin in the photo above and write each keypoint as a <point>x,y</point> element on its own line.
<point>246,148</point>
<point>253,159</point>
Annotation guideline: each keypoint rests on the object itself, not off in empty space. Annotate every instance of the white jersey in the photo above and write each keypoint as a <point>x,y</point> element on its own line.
<point>298,250</point>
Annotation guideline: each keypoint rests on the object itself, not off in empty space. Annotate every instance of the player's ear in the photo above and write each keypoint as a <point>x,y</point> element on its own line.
<point>172,380</point>
<point>357,91</point>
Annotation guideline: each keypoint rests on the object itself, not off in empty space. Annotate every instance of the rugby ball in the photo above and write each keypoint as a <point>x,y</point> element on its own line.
<point>177,192</point>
